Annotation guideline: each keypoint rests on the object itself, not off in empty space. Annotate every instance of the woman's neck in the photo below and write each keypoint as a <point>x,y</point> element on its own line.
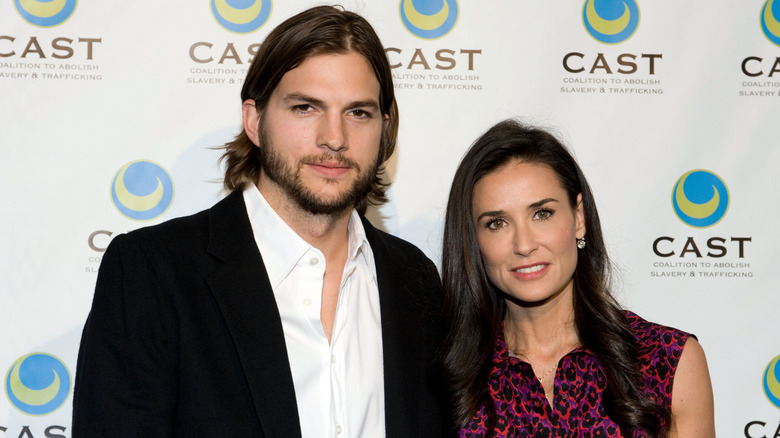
<point>541,332</point>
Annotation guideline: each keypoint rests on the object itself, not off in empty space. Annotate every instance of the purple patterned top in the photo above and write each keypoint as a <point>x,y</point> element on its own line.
<point>577,411</point>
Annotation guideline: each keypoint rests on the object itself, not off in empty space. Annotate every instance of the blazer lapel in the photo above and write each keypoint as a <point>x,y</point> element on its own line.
<point>400,344</point>
<point>244,295</point>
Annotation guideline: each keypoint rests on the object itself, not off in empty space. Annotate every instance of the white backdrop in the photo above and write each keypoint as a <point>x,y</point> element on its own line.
<point>643,91</point>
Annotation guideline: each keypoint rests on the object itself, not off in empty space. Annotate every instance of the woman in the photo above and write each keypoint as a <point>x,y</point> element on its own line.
<point>538,346</point>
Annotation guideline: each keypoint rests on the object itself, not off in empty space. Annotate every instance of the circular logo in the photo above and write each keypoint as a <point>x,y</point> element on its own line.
<point>241,16</point>
<point>772,382</point>
<point>700,198</point>
<point>142,190</point>
<point>37,384</point>
<point>769,23</point>
<point>45,13</point>
<point>611,21</point>
<point>429,19</point>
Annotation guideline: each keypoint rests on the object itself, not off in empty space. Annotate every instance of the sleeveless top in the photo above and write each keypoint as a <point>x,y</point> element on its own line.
<point>522,409</point>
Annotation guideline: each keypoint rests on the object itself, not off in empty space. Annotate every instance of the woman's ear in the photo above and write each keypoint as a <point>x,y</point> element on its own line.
<point>579,217</point>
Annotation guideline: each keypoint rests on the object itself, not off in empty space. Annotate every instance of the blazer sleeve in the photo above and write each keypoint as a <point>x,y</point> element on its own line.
<point>125,381</point>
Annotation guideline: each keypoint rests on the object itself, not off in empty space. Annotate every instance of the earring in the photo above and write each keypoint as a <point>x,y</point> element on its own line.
<point>581,243</point>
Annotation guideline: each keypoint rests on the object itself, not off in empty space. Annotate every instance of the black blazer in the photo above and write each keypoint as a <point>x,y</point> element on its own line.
<point>184,337</point>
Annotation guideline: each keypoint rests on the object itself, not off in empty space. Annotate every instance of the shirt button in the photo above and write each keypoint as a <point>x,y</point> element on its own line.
<point>314,261</point>
<point>332,358</point>
<point>306,302</point>
<point>338,430</point>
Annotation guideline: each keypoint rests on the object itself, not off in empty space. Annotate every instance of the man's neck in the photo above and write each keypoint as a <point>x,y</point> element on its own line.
<point>326,232</point>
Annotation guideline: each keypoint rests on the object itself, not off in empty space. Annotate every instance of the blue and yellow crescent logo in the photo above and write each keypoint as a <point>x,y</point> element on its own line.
<point>142,190</point>
<point>37,384</point>
<point>429,19</point>
<point>241,16</point>
<point>611,21</point>
<point>772,381</point>
<point>45,13</point>
<point>769,23</point>
<point>700,198</point>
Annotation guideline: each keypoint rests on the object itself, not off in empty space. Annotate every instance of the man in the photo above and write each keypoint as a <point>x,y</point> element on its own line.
<point>280,311</point>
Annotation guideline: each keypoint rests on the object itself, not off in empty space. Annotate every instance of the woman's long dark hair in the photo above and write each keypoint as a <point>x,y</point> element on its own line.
<point>475,309</point>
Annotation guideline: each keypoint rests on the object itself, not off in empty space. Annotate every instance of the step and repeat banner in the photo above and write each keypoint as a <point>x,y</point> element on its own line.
<point>110,112</point>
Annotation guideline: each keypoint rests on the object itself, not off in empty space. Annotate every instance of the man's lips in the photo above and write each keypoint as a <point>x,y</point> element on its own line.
<point>330,169</point>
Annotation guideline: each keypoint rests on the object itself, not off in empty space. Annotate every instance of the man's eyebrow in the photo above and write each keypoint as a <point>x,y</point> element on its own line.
<point>303,98</point>
<point>369,103</point>
<point>373,104</point>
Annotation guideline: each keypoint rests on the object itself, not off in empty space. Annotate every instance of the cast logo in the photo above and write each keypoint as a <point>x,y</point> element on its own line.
<point>700,198</point>
<point>611,21</point>
<point>46,13</point>
<point>764,66</point>
<point>772,382</point>
<point>429,19</point>
<point>142,190</point>
<point>37,384</point>
<point>763,429</point>
<point>769,23</point>
<point>241,16</point>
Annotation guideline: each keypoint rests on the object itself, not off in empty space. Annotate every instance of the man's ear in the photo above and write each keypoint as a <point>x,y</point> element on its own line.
<point>251,118</point>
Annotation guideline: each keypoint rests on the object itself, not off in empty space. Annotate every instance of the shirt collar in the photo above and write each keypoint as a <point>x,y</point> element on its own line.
<point>502,360</point>
<point>358,243</point>
<point>274,236</point>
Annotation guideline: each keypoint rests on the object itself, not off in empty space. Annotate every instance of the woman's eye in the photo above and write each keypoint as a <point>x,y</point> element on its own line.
<point>495,224</point>
<point>543,215</point>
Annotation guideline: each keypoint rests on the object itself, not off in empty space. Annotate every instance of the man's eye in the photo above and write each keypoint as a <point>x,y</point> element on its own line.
<point>363,114</point>
<point>305,108</point>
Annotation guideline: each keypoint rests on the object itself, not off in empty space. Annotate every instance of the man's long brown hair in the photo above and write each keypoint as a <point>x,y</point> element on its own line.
<point>316,31</point>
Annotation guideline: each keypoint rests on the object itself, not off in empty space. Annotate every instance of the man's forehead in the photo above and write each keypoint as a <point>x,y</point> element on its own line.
<point>331,74</point>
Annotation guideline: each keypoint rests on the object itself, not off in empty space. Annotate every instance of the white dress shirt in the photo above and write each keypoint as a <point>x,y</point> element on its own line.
<point>339,386</point>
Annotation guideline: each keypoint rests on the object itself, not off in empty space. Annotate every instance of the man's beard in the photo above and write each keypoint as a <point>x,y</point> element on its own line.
<point>290,181</point>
